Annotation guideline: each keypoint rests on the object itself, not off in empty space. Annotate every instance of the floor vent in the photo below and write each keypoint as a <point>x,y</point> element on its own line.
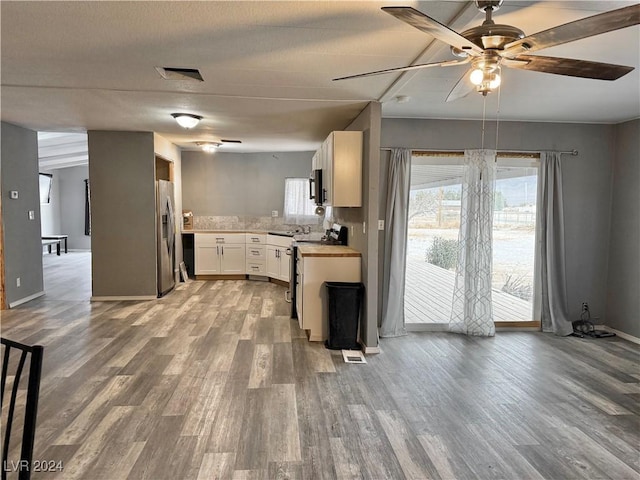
<point>188,74</point>
<point>353,356</point>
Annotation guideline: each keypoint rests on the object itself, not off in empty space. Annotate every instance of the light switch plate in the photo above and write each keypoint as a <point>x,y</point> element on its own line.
<point>380,224</point>
<point>13,194</point>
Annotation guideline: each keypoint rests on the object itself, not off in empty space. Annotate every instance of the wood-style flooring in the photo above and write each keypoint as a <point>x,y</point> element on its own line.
<point>216,381</point>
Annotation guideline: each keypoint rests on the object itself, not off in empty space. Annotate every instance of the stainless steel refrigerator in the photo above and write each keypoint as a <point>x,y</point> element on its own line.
<point>166,238</point>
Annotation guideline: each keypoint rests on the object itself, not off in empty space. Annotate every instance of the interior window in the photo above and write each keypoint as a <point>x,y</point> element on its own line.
<point>299,209</point>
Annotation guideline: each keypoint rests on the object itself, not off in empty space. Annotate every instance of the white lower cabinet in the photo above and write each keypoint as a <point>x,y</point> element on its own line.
<point>242,253</point>
<point>278,259</point>
<point>219,254</point>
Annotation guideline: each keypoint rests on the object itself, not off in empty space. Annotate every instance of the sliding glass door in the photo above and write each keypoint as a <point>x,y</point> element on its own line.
<point>434,221</point>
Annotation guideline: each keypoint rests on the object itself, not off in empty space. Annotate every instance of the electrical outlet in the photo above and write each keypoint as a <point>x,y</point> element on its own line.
<point>380,224</point>
<point>32,215</point>
<point>274,213</point>
<point>18,282</point>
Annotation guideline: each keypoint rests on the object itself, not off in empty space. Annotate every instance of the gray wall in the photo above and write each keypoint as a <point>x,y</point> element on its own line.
<point>623,299</point>
<point>122,176</point>
<point>65,214</point>
<point>586,183</point>
<point>239,183</point>
<point>22,245</point>
<point>363,221</point>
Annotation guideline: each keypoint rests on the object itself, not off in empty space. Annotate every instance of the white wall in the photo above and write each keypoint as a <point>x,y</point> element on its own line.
<point>50,212</point>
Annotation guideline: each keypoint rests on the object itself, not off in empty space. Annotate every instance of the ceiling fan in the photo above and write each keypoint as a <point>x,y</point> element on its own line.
<point>490,46</point>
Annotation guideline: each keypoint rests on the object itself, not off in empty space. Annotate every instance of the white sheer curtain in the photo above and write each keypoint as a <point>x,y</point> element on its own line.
<point>472,313</point>
<point>554,315</point>
<point>395,243</point>
<point>298,208</point>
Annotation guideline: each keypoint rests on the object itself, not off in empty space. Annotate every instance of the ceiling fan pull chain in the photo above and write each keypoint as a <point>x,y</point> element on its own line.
<point>484,111</point>
<point>498,120</point>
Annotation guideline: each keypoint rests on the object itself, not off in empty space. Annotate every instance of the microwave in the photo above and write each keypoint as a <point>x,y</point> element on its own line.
<point>316,192</point>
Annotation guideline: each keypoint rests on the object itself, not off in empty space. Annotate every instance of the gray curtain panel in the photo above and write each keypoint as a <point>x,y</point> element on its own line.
<point>554,315</point>
<point>472,309</point>
<point>395,243</point>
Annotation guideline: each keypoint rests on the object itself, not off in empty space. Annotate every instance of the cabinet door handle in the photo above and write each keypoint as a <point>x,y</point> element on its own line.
<point>220,239</point>
<point>255,239</point>
<point>217,250</point>
<point>223,251</point>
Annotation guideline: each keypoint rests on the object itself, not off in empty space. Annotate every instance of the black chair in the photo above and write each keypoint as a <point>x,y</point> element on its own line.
<point>23,465</point>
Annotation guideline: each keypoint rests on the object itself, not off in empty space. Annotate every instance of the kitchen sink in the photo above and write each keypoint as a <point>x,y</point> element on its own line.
<point>314,237</point>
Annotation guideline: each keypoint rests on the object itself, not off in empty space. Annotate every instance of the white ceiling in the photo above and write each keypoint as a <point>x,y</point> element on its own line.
<point>267,66</point>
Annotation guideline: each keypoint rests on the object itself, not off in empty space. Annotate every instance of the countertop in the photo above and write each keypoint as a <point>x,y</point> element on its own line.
<point>315,250</point>
<point>255,232</point>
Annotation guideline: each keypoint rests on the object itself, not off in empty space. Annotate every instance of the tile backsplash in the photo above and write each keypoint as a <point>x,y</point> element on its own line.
<point>245,222</point>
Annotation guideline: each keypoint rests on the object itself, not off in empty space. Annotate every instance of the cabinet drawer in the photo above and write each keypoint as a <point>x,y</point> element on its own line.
<point>255,238</point>
<point>256,267</point>
<point>219,238</point>
<point>255,252</point>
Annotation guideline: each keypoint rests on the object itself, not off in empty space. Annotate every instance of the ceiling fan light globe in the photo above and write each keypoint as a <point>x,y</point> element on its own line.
<point>495,81</point>
<point>476,76</point>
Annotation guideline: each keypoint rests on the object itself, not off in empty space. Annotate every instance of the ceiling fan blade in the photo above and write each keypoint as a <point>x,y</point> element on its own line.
<point>231,141</point>
<point>569,32</point>
<point>448,63</point>
<point>462,88</point>
<point>570,67</point>
<point>422,22</point>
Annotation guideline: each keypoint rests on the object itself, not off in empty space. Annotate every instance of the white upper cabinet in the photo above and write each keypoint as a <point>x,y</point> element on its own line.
<point>341,160</point>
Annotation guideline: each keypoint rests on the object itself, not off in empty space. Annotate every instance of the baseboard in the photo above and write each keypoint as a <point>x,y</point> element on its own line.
<point>123,298</point>
<point>25,299</point>
<point>369,350</point>
<point>618,333</point>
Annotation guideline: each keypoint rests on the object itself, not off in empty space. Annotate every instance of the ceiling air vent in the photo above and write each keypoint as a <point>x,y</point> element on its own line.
<point>188,74</point>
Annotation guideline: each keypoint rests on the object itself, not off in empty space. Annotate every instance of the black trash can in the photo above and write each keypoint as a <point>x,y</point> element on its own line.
<point>343,301</point>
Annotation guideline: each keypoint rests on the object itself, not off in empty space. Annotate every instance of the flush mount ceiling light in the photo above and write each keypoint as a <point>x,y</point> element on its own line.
<point>208,147</point>
<point>186,120</point>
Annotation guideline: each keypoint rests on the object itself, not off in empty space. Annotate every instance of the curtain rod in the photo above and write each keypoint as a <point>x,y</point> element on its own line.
<point>501,153</point>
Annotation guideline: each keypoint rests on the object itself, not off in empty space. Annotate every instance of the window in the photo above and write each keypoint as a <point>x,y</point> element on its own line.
<point>299,209</point>
<point>432,241</point>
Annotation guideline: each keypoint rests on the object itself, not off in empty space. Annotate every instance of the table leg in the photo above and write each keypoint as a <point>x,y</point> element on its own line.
<point>49,248</point>
<point>65,246</point>
<point>58,248</point>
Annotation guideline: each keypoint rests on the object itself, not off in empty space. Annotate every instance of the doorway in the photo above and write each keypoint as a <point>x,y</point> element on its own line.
<point>432,239</point>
